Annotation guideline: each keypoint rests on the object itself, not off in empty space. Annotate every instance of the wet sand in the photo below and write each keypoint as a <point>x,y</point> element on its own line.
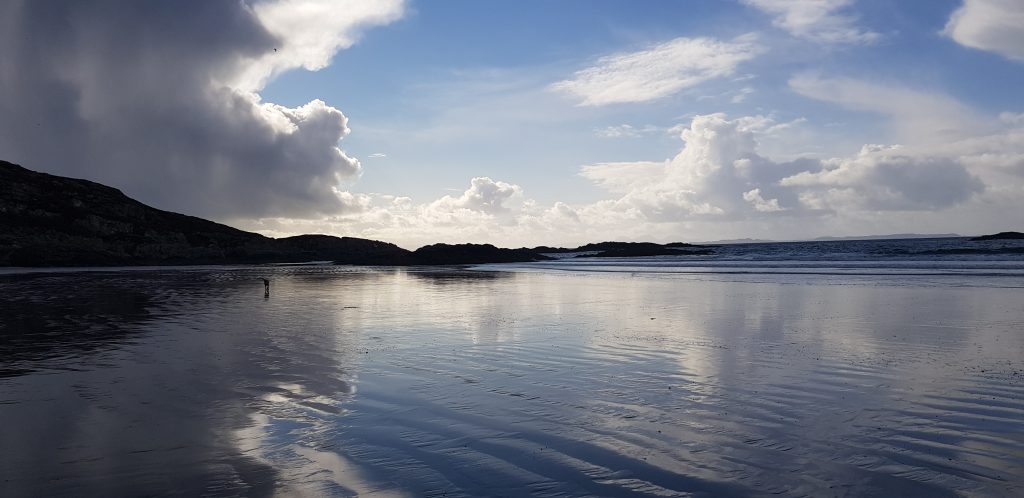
<point>469,383</point>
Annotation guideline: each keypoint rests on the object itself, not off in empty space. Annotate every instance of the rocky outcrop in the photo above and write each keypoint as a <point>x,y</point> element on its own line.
<point>458,254</point>
<point>629,249</point>
<point>343,250</point>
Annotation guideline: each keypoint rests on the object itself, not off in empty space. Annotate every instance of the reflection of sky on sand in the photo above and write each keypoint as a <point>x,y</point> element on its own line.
<point>474,383</point>
<point>125,421</point>
<point>761,360</point>
<point>760,370</point>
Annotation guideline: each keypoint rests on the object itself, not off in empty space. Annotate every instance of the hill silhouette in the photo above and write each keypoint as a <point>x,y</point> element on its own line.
<point>48,220</point>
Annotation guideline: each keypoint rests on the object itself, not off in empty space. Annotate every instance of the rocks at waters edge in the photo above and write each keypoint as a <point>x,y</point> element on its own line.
<point>450,254</point>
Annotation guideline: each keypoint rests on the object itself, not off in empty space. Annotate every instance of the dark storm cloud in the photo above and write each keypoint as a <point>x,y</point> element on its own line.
<point>144,96</point>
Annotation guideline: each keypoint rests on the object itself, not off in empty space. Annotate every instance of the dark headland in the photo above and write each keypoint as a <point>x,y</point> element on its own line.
<point>49,220</point>
<point>1000,236</point>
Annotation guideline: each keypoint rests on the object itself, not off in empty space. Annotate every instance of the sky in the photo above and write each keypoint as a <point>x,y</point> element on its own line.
<point>531,122</point>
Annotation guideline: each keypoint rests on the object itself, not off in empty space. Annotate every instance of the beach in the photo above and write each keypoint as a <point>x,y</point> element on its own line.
<point>555,379</point>
<point>554,249</point>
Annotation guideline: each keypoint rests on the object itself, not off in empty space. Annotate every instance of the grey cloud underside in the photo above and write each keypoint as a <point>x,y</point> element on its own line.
<point>922,184</point>
<point>884,183</point>
<point>136,95</point>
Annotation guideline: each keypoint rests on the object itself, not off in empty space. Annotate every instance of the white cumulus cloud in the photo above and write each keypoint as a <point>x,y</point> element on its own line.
<point>483,195</point>
<point>720,174</point>
<point>760,203</point>
<point>713,175</point>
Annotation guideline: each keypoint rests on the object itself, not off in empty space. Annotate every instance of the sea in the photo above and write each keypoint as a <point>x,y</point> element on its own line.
<point>841,368</point>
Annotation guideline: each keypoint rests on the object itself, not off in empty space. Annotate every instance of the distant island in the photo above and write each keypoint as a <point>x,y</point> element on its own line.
<point>740,241</point>
<point>1000,236</point>
<point>49,220</point>
<point>891,236</point>
<point>845,238</point>
<point>628,250</point>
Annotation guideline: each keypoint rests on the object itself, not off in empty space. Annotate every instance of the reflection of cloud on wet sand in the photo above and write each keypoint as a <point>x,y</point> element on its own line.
<point>126,405</point>
<point>853,367</point>
<point>556,384</point>
<point>162,399</point>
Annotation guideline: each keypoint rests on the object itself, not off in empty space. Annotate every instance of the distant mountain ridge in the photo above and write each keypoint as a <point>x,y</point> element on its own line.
<point>894,236</point>
<point>840,238</point>
<point>740,241</point>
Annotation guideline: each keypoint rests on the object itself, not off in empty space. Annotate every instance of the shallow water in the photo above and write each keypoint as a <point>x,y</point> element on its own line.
<point>557,381</point>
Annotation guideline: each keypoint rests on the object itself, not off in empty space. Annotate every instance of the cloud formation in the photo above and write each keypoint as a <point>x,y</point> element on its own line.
<point>816,20</point>
<point>882,178</point>
<point>718,185</point>
<point>484,195</point>
<point>627,131</point>
<point>310,32</point>
<point>719,174</point>
<point>658,71</point>
<point>917,115</point>
<point>993,25</point>
<point>158,98</point>
<point>760,203</point>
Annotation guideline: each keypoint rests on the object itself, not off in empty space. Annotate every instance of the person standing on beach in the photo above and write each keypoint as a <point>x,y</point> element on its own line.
<point>266,288</point>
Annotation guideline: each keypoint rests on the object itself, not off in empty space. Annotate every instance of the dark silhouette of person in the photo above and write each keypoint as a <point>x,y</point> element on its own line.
<point>266,288</point>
